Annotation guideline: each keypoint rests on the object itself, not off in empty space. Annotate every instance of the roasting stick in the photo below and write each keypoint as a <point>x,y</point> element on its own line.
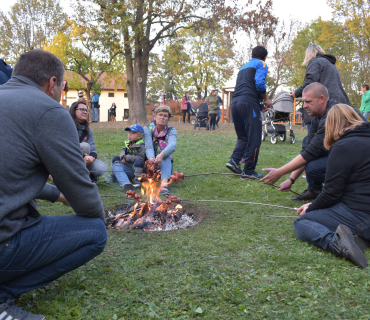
<point>234,174</point>
<point>227,174</point>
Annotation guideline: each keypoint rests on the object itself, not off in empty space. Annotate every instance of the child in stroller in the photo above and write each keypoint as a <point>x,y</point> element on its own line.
<point>282,106</point>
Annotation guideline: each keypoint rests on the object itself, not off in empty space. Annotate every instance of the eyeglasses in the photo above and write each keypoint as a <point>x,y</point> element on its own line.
<point>82,109</point>
<point>161,115</point>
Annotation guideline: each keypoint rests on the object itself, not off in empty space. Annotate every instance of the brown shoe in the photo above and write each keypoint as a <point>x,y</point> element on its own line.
<point>307,195</point>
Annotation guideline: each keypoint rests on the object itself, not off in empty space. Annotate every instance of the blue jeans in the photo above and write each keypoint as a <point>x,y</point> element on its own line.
<point>308,125</point>
<point>315,173</point>
<point>366,115</point>
<point>166,168</point>
<point>95,113</point>
<point>38,255</point>
<point>125,172</point>
<point>248,127</point>
<point>318,227</point>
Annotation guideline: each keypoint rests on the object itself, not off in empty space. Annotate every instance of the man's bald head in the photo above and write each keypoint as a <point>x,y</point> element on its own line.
<point>317,89</point>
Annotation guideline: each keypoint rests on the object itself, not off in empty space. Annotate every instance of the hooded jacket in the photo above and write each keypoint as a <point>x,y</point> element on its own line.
<point>322,69</point>
<point>347,178</point>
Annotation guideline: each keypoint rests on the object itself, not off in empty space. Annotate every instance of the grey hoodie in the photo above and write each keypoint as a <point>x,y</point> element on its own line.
<point>38,137</point>
<point>322,69</point>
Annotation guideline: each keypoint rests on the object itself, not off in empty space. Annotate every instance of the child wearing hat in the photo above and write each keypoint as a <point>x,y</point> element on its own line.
<point>130,163</point>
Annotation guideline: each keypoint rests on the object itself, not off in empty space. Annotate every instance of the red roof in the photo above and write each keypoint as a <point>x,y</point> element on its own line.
<point>108,83</point>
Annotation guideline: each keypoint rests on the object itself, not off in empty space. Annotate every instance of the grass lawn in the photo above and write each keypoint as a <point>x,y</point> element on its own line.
<point>237,264</point>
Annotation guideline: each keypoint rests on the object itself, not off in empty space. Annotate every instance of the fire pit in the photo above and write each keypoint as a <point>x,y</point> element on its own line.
<point>152,213</point>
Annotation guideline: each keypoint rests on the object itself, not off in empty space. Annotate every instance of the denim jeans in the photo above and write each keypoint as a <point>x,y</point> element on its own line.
<point>315,173</point>
<point>95,113</point>
<point>38,255</point>
<point>366,115</point>
<point>318,227</point>
<point>308,125</point>
<point>248,127</point>
<point>166,168</point>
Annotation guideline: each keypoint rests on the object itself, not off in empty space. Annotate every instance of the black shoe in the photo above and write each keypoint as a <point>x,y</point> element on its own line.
<point>217,125</point>
<point>93,177</point>
<point>233,166</point>
<point>128,187</point>
<point>137,184</point>
<point>9,310</point>
<point>362,243</point>
<point>344,245</point>
<point>307,195</point>
<point>253,176</point>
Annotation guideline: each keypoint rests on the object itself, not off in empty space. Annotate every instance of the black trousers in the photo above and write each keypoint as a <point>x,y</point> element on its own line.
<point>212,124</point>
<point>184,115</point>
<point>248,127</point>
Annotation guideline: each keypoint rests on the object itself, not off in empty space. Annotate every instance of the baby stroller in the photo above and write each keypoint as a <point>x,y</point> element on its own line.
<point>282,106</point>
<point>202,117</point>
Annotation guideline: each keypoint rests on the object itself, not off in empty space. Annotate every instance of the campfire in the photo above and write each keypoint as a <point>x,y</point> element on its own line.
<point>150,212</point>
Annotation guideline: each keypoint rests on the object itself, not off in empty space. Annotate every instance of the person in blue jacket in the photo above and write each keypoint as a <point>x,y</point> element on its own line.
<point>246,107</point>
<point>94,101</point>
<point>5,72</point>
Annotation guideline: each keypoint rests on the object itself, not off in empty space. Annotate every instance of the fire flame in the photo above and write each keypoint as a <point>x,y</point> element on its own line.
<point>153,213</point>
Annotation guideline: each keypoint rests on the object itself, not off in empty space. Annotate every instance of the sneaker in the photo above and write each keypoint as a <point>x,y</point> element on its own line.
<point>242,160</point>
<point>362,243</point>
<point>112,179</point>
<point>253,176</point>
<point>304,176</point>
<point>128,187</point>
<point>165,191</point>
<point>343,244</point>
<point>10,311</point>
<point>233,166</point>
<point>307,195</point>
<point>137,184</point>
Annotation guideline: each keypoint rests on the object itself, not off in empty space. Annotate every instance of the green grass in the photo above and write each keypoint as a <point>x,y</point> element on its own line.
<point>237,264</point>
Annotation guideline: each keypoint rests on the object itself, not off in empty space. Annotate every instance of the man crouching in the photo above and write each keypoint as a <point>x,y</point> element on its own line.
<point>38,138</point>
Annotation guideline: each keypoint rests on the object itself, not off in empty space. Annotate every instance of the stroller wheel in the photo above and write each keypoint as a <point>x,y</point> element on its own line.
<point>274,139</point>
<point>195,125</point>
<point>292,138</point>
<point>264,135</point>
<point>193,121</point>
<point>207,126</point>
<point>282,136</point>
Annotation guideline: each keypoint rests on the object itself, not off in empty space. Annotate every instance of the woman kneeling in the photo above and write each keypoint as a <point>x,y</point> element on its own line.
<point>96,167</point>
<point>338,219</point>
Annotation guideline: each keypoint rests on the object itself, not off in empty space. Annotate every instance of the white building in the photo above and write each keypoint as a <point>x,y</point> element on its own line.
<point>111,91</point>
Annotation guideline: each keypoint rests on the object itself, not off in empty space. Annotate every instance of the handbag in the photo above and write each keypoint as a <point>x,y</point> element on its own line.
<point>97,105</point>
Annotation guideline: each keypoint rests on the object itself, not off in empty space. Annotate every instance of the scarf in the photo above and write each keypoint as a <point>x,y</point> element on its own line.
<point>160,139</point>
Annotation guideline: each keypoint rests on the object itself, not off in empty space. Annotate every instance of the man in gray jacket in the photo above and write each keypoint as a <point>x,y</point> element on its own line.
<point>38,138</point>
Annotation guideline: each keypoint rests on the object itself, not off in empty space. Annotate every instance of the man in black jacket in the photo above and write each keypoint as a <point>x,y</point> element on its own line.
<point>313,157</point>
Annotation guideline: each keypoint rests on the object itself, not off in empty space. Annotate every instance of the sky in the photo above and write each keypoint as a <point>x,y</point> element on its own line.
<point>304,11</point>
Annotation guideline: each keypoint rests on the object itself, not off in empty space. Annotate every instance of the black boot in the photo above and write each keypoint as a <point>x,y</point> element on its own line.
<point>344,245</point>
<point>93,177</point>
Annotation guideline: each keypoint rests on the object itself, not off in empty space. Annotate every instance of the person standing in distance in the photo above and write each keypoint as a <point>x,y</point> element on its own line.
<point>250,91</point>
<point>94,101</point>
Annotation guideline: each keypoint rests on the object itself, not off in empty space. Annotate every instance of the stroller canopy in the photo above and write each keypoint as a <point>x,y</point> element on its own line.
<point>283,102</point>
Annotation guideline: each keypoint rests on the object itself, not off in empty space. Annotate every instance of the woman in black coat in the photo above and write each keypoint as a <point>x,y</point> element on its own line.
<point>321,68</point>
<point>338,220</point>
